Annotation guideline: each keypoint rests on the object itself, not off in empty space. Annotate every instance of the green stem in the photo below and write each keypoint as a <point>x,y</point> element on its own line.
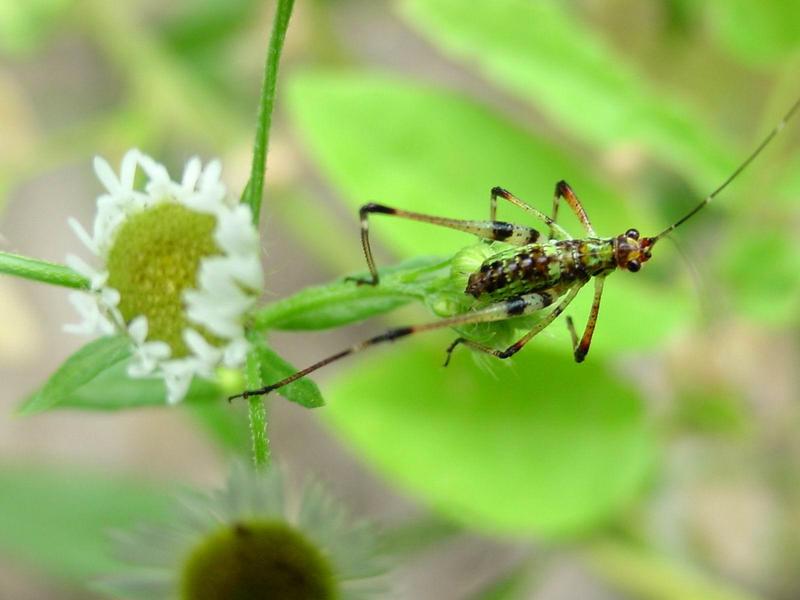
<point>39,270</point>
<point>255,187</point>
<point>257,408</point>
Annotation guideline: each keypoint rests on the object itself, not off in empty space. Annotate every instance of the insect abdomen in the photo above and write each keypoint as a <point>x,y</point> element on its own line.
<point>541,266</point>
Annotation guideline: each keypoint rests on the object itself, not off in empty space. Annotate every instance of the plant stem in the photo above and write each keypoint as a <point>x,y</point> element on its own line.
<point>39,270</point>
<point>255,187</point>
<point>257,408</point>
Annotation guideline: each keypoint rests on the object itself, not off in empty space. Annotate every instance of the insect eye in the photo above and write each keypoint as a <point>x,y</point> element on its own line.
<point>634,266</point>
<point>632,233</point>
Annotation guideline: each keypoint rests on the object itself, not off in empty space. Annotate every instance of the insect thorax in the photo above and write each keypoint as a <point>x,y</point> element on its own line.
<point>541,266</point>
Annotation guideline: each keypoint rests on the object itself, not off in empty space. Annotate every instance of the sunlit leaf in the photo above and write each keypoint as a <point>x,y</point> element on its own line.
<point>547,56</point>
<point>384,140</point>
<point>345,301</point>
<point>542,447</point>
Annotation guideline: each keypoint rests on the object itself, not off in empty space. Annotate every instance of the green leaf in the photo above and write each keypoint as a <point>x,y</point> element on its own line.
<point>78,370</point>
<point>59,520</point>
<point>113,389</point>
<point>542,446</point>
<point>435,152</point>
<point>548,57</point>
<point>274,368</point>
<point>95,378</point>
<point>343,302</point>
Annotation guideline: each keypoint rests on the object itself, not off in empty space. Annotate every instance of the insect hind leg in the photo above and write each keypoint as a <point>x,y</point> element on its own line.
<point>498,311</point>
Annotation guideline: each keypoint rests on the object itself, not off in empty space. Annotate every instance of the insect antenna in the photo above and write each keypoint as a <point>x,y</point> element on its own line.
<point>707,200</point>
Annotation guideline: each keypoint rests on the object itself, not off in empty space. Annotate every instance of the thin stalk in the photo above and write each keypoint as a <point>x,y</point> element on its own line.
<point>39,270</point>
<point>255,187</point>
<point>257,408</point>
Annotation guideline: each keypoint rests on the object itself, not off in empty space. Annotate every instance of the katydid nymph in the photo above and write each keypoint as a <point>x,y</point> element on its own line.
<point>532,274</point>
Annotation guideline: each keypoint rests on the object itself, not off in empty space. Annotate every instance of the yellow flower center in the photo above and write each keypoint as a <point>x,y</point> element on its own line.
<point>155,256</point>
<point>255,560</point>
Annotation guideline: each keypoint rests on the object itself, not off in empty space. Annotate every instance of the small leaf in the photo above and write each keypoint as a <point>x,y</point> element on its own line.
<point>274,368</point>
<point>96,378</point>
<point>58,520</point>
<point>78,370</point>
<point>541,446</point>
<point>344,301</point>
<point>113,389</point>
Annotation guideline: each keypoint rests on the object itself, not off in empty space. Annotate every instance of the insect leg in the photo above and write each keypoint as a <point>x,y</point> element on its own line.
<point>498,192</point>
<point>517,346</point>
<point>581,348</point>
<point>563,190</point>
<point>497,311</point>
<point>518,235</point>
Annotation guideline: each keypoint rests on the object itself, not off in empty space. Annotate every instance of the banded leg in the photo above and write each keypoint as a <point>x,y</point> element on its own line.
<point>564,191</point>
<point>518,345</point>
<point>499,311</point>
<point>498,192</point>
<point>581,348</point>
<point>517,235</point>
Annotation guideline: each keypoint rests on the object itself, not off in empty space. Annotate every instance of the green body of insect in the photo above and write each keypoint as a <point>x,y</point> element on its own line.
<point>532,274</point>
<point>537,267</point>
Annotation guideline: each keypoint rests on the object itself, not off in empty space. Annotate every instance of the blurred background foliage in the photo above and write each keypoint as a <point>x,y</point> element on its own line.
<point>667,466</point>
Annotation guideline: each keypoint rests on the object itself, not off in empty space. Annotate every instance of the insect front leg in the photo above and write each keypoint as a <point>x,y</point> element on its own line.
<point>520,343</point>
<point>563,190</point>
<point>498,311</point>
<point>581,348</point>
<point>518,235</point>
<point>498,192</point>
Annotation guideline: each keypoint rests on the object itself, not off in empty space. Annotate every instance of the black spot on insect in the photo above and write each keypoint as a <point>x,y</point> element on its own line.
<point>502,230</point>
<point>515,307</point>
<point>377,208</point>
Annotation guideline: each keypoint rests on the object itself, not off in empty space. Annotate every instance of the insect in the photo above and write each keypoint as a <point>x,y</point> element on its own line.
<point>530,276</point>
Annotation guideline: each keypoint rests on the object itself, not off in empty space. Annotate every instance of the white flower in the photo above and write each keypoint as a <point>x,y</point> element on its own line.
<point>180,269</point>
